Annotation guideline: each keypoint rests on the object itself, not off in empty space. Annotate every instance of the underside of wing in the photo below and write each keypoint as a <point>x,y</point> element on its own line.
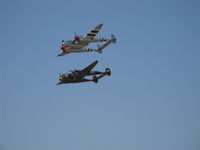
<point>93,33</point>
<point>90,67</point>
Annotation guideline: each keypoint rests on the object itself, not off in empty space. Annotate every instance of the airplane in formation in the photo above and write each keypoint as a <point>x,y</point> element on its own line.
<point>80,42</point>
<point>77,76</point>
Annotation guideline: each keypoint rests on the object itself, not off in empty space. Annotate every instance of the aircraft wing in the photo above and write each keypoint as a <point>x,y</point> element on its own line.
<point>90,67</point>
<point>93,33</point>
<point>61,54</point>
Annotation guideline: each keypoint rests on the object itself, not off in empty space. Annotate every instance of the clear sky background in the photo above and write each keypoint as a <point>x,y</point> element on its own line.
<point>151,101</point>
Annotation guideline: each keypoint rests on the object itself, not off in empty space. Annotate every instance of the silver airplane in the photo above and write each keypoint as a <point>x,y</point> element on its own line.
<point>80,42</point>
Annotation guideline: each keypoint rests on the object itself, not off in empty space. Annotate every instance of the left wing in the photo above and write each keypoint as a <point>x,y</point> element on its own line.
<point>93,33</point>
<point>90,67</point>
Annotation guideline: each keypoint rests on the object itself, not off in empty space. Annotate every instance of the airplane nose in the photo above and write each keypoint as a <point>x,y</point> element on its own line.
<point>62,47</point>
<point>77,37</point>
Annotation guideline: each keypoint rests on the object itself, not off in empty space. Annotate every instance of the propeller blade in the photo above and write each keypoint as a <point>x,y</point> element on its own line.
<point>63,42</point>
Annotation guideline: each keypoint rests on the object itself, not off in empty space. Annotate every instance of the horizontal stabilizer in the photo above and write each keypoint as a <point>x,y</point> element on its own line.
<point>113,38</point>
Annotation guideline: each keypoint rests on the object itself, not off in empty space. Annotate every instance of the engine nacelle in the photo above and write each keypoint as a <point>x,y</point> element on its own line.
<point>95,79</point>
<point>107,71</point>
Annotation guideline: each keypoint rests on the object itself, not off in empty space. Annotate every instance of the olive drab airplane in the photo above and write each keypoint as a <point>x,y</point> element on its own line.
<point>80,42</point>
<point>77,76</point>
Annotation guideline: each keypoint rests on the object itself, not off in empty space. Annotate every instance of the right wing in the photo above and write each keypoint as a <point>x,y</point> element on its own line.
<point>62,54</point>
<point>93,33</point>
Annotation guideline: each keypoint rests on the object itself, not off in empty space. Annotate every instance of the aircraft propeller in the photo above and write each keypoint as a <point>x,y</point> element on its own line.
<point>74,73</point>
<point>76,37</point>
<point>62,45</point>
<point>62,42</point>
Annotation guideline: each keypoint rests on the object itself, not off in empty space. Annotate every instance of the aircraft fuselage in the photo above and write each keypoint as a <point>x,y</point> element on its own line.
<point>82,42</point>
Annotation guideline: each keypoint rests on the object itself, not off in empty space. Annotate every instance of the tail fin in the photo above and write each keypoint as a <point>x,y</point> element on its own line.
<point>99,49</point>
<point>113,38</point>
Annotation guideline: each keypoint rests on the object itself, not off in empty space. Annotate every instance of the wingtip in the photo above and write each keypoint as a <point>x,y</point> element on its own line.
<point>62,54</point>
<point>59,55</point>
<point>95,62</point>
<point>100,26</point>
<point>59,83</point>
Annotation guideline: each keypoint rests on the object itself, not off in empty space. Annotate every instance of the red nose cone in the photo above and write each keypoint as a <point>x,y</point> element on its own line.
<point>62,47</point>
<point>77,37</point>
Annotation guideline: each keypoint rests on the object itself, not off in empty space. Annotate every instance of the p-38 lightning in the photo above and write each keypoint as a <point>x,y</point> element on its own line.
<point>77,76</point>
<point>80,42</point>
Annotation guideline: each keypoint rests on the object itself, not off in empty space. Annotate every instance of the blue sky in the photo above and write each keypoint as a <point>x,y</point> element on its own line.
<point>151,101</point>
